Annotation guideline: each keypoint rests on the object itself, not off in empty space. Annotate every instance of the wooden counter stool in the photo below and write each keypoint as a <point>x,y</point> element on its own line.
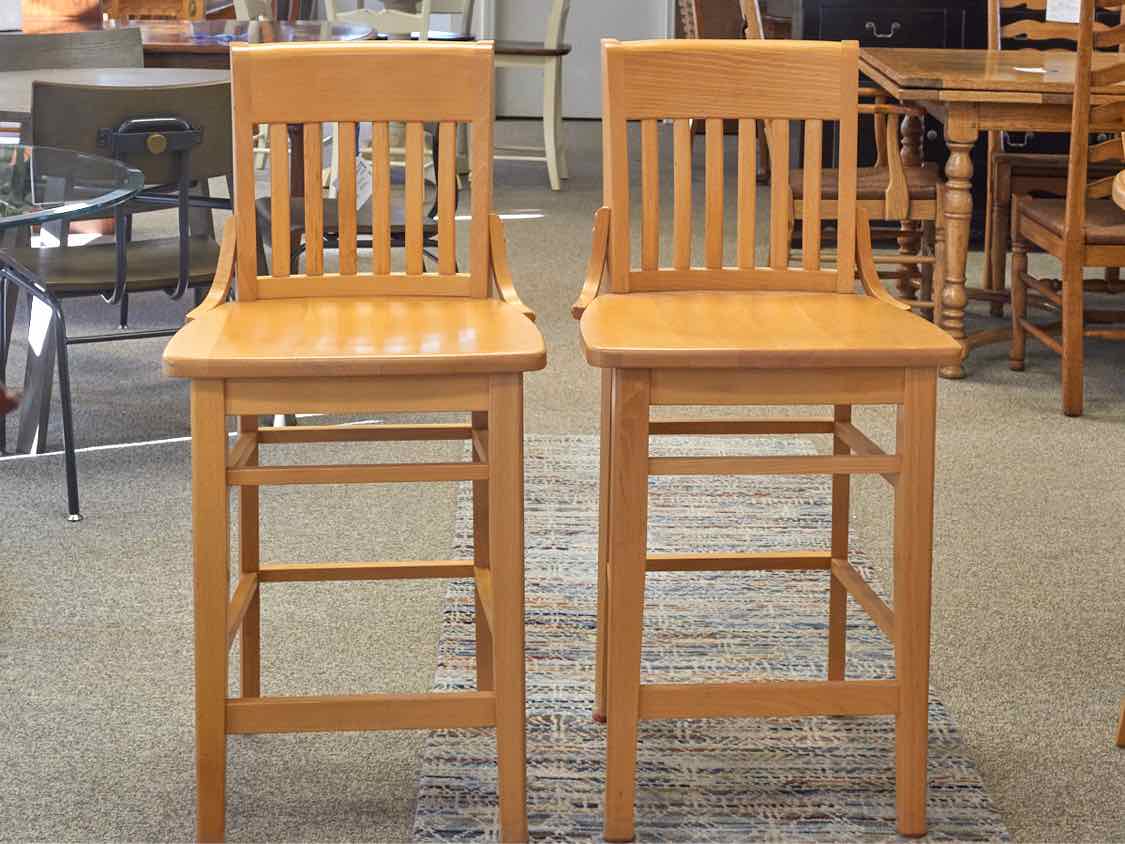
<point>749,335</point>
<point>351,342</point>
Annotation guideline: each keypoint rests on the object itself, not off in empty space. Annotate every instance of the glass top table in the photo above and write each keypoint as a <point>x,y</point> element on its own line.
<point>41,184</point>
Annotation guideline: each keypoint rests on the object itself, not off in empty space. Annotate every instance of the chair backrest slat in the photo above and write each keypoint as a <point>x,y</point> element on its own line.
<point>811,196</point>
<point>716,81</point>
<point>681,233</point>
<point>311,85</point>
<point>747,191</point>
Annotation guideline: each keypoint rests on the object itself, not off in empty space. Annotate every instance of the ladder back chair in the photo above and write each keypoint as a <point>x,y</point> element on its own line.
<point>744,334</point>
<point>388,20</point>
<point>352,342</point>
<point>1084,229</point>
<point>1022,24</point>
<point>897,187</point>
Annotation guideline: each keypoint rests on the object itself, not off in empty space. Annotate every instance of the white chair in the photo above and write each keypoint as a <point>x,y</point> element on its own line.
<point>393,19</point>
<point>253,10</point>
<point>548,58</point>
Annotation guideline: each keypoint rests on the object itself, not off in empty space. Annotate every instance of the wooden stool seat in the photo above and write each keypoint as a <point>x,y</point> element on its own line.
<point>872,182</point>
<point>279,338</point>
<point>758,329</point>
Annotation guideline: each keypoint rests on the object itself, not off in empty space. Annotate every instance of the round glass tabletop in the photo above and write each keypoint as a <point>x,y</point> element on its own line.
<point>39,184</point>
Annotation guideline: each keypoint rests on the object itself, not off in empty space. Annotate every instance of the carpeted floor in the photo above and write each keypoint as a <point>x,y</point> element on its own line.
<point>806,779</point>
<point>95,743</point>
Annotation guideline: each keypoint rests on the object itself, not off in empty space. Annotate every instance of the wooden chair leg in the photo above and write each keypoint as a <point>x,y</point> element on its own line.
<point>249,558</point>
<point>837,594</point>
<point>506,547</point>
<point>484,658</point>
<point>626,580</point>
<point>551,106</point>
<point>913,558</point>
<point>926,285</point>
<point>1017,352</point>
<point>909,239</point>
<point>1121,725</point>
<point>939,257</point>
<point>1000,233</point>
<point>604,510</point>
<point>210,548</point>
<point>1073,339</point>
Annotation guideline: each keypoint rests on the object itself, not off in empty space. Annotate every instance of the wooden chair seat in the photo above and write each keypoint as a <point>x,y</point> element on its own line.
<point>1105,222</point>
<point>279,338</point>
<point>872,182</point>
<point>1046,163</point>
<point>152,265</point>
<point>506,47</point>
<point>758,329</point>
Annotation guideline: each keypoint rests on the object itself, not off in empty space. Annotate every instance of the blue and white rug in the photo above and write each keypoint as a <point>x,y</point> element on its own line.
<point>822,779</point>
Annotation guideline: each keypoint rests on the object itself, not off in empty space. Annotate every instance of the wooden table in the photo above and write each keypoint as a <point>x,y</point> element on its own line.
<point>974,91</point>
<point>16,85</point>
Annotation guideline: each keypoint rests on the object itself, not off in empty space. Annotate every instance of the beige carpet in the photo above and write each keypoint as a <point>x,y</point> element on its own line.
<point>1029,621</point>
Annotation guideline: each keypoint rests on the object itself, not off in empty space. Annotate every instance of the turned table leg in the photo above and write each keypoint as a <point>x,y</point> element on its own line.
<point>910,231</point>
<point>960,135</point>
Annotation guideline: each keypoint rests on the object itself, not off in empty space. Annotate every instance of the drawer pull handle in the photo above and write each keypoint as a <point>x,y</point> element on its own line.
<point>1011,143</point>
<point>874,30</point>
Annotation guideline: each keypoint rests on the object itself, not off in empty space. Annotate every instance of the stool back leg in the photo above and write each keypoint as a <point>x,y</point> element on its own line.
<point>484,659</point>
<point>837,594</point>
<point>211,538</point>
<point>626,580</point>
<point>506,547</point>
<point>249,558</point>
<point>913,558</point>
<point>603,544</point>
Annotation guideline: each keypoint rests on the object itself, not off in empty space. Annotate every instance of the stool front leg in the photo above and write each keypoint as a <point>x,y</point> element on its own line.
<point>837,594</point>
<point>249,558</point>
<point>506,549</point>
<point>211,538</point>
<point>485,680</point>
<point>913,559</point>
<point>628,543</point>
<point>603,545</point>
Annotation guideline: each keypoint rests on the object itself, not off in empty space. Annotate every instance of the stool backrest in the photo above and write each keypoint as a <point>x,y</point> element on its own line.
<point>782,82</point>
<point>313,84</point>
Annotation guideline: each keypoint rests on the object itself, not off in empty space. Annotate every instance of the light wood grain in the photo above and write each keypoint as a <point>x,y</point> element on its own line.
<point>383,570</point>
<point>767,699</point>
<point>447,710</point>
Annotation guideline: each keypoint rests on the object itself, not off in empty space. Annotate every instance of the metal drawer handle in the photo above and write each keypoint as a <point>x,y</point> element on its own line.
<point>874,30</point>
<point>1011,143</point>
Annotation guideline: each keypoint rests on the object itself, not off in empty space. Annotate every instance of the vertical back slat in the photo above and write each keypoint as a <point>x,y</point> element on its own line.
<point>346,197</point>
<point>380,198</point>
<point>810,215</point>
<point>714,211</point>
<point>650,195</point>
<point>279,198</point>
<point>616,180</point>
<point>245,214</point>
<point>447,199</point>
<point>480,244</point>
<point>415,196</point>
<point>780,194</point>
<point>846,216</point>
<point>314,201</point>
<point>747,191</point>
<point>681,225</point>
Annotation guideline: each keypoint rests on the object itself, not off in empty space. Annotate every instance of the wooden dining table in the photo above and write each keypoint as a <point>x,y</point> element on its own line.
<point>970,92</point>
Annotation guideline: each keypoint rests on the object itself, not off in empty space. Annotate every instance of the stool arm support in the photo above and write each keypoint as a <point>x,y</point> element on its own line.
<point>501,271</point>
<point>595,268</point>
<point>865,262</point>
<point>224,272</point>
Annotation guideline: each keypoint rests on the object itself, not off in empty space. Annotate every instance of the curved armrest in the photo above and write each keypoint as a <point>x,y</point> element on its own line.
<point>865,261</point>
<point>224,272</point>
<point>595,267</point>
<point>500,269</point>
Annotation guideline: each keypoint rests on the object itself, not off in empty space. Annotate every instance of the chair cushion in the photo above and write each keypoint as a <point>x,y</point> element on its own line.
<point>1105,222</point>
<point>758,330</point>
<point>871,182</point>
<point>280,338</point>
<point>151,265</point>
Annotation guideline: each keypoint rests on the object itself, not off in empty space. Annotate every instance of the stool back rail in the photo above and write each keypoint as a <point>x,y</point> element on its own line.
<point>355,342</point>
<point>743,334</point>
<point>1086,229</point>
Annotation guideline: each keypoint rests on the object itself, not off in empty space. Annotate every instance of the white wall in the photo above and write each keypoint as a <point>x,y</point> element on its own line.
<point>9,14</point>
<point>520,92</point>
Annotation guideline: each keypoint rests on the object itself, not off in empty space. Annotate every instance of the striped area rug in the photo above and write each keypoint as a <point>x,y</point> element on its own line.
<point>822,779</point>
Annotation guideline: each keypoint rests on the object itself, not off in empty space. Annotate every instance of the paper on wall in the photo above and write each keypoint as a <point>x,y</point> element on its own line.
<point>1063,11</point>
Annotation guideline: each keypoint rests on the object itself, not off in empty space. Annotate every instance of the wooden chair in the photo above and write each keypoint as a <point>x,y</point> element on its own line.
<point>747,335</point>
<point>357,342</point>
<point>1012,172</point>
<point>892,189</point>
<point>546,57</point>
<point>1086,229</point>
<point>192,10</point>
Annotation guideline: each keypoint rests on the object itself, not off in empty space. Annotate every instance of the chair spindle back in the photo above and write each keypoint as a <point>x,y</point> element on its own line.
<point>313,84</point>
<point>779,82</point>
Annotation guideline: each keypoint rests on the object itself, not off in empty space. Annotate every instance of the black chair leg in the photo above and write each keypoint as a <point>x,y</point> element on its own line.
<point>6,305</point>
<point>73,513</point>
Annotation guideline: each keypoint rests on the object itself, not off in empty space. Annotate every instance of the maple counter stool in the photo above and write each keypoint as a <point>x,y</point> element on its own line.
<point>749,335</point>
<point>352,342</point>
